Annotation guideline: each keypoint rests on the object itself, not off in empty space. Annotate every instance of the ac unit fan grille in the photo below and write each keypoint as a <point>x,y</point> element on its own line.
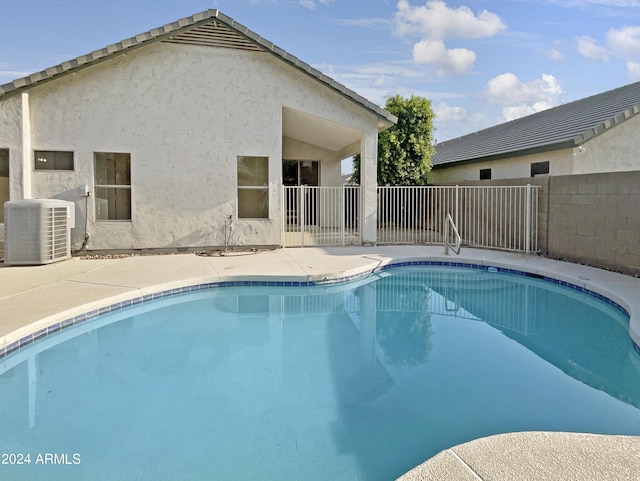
<point>55,233</point>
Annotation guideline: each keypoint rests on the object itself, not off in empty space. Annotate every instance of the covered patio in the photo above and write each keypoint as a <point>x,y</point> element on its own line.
<point>317,209</point>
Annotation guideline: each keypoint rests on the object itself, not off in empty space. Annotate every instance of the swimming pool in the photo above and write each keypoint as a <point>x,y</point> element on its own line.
<point>361,380</point>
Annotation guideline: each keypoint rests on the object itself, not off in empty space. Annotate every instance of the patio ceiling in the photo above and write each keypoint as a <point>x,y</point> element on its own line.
<point>320,132</point>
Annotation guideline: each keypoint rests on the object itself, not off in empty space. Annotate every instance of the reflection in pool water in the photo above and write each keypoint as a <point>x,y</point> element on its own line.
<point>355,381</point>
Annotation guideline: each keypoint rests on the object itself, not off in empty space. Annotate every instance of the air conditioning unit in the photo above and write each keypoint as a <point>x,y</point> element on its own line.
<point>37,231</point>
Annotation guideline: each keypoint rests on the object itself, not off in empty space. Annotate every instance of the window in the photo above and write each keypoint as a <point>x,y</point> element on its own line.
<point>253,187</point>
<point>113,186</point>
<point>539,168</point>
<point>53,160</point>
<point>301,172</point>
<point>485,174</point>
<point>4,181</point>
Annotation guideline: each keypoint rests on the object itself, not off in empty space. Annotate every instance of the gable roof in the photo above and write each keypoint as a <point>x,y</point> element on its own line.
<point>565,126</point>
<point>209,28</point>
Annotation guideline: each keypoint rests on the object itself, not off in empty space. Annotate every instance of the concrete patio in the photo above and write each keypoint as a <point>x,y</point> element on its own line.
<point>34,297</point>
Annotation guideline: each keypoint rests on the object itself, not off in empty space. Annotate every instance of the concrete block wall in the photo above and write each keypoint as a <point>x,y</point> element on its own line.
<point>595,219</point>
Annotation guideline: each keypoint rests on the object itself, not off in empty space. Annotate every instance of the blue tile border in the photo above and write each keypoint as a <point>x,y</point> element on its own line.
<point>213,285</point>
<point>515,272</point>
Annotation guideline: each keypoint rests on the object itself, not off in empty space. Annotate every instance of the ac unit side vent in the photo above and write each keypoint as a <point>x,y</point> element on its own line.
<point>37,231</point>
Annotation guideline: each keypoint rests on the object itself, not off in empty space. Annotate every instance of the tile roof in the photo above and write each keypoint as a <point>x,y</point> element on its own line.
<point>209,28</point>
<point>568,125</point>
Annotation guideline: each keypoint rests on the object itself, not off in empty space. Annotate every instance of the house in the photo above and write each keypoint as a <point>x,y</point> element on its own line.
<point>591,135</point>
<point>181,135</point>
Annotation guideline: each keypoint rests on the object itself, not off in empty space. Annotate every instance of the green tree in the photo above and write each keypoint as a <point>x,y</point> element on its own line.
<point>404,150</point>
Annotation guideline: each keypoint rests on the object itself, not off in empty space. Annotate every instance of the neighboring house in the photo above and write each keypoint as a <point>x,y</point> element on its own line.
<point>596,134</point>
<point>168,138</point>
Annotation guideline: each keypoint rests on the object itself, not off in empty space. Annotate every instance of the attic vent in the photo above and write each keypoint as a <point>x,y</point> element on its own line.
<point>214,35</point>
<point>37,231</point>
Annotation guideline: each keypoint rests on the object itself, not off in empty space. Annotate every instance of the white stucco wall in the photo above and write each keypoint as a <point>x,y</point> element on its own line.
<point>184,113</point>
<point>615,150</point>
<point>11,138</point>
<point>560,163</point>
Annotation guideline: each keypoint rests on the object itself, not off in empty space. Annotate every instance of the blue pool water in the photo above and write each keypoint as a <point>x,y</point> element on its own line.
<point>355,381</point>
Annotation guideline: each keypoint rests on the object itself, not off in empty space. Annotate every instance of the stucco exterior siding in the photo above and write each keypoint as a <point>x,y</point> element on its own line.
<point>11,138</point>
<point>560,163</point>
<point>184,114</point>
<point>615,150</point>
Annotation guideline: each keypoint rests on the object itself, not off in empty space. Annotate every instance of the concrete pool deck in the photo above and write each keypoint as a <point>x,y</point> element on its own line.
<point>33,298</point>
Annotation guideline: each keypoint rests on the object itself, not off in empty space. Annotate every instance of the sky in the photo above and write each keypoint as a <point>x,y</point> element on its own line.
<point>479,62</point>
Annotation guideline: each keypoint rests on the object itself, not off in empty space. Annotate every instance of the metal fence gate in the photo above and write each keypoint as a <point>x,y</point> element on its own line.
<point>321,216</point>
<point>496,217</point>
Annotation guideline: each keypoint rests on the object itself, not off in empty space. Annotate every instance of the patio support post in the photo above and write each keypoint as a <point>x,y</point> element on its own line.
<point>26,148</point>
<point>369,186</point>
<point>527,222</point>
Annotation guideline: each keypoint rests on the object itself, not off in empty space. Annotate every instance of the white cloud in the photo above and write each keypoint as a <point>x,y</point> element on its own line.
<point>554,53</point>
<point>448,113</point>
<point>622,42</point>
<point>379,81</point>
<point>435,22</point>
<point>588,48</point>
<point>517,111</point>
<point>453,121</point>
<point>311,4</point>
<point>455,60</point>
<point>364,22</point>
<point>633,68</point>
<point>518,98</point>
<point>590,4</point>
<point>606,3</point>
<point>625,42</point>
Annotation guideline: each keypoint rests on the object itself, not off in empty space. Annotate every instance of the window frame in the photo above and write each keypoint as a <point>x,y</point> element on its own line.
<point>540,168</point>
<point>483,174</point>
<point>54,152</point>
<point>116,186</point>
<point>299,167</point>
<point>248,187</point>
